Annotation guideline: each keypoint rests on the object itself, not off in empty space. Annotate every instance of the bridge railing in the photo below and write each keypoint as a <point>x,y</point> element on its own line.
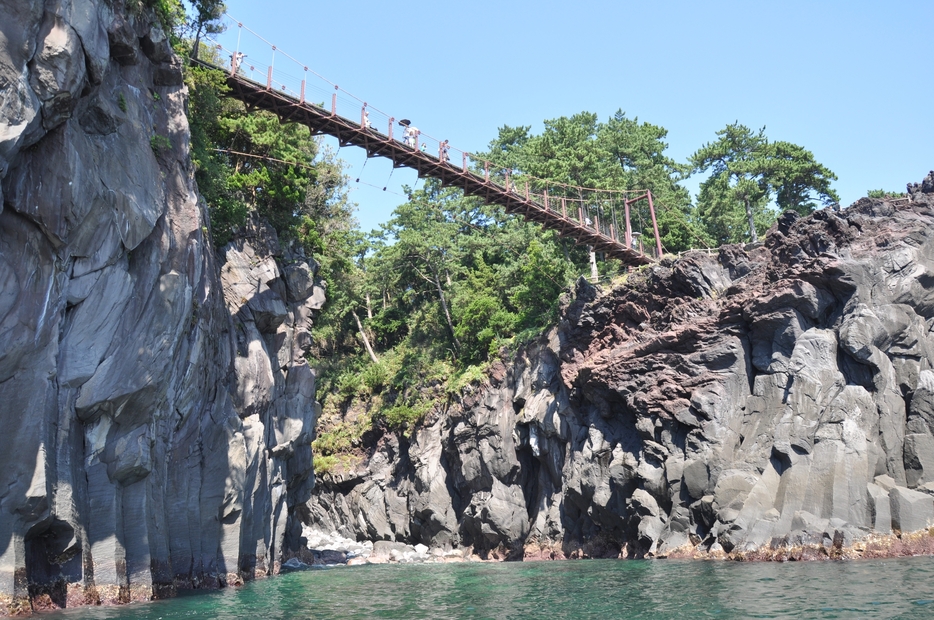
<point>617,215</point>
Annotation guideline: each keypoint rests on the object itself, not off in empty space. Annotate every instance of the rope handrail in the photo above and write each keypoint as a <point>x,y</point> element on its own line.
<point>588,209</point>
<point>371,107</point>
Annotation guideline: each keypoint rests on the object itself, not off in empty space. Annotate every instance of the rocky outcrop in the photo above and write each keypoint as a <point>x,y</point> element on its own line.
<point>155,405</point>
<point>761,397</point>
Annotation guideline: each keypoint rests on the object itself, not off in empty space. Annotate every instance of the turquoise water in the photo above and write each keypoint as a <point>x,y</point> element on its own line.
<point>572,589</point>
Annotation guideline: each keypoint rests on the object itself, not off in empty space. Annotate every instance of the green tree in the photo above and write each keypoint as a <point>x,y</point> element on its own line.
<point>424,248</point>
<point>638,150</point>
<point>206,107</point>
<point>483,319</point>
<point>204,18</point>
<point>541,278</point>
<point>620,154</point>
<point>746,173</point>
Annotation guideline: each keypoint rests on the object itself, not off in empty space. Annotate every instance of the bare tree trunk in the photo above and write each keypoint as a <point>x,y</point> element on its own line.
<point>436,280</point>
<point>444,305</point>
<point>196,48</point>
<point>752,223</point>
<point>366,341</point>
<point>594,273</point>
<point>369,307</point>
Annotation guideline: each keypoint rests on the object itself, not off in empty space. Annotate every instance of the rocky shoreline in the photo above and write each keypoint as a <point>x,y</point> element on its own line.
<point>332,550</point>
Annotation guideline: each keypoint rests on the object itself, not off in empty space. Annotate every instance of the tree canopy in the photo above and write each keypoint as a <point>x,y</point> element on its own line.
<point>619,154</point>
<point>747,172</point>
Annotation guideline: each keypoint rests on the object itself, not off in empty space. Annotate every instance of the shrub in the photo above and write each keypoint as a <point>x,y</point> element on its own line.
<point>881,193</point>
<point>171,13</point>
<point>402,417</point>
<point>348,383</point>
<point>324,463</point>
<point>160,143</point>
<point>375,377</point>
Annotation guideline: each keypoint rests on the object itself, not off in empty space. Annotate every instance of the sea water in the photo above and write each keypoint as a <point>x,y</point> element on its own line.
<point>604,589</point>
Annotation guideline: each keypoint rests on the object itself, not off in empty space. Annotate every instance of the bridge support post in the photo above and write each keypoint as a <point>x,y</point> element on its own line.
<point>486,171</point>
<point>269,79</point>
<point>628,228</point>
<point>507,180</point>
<point>658,239</point>
<point>465,163</point>
<point>301,99</point>
<point>546,199</point>
<point>334,101</point>
<point>392,119</point>
<point>564,207</point>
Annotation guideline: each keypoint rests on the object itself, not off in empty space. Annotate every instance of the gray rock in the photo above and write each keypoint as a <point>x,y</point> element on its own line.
<point>880,509</point>
<point>123,45</point>
<point>168,438</point>
<point>919,459</point>
<point>911,510</point>
<point>168,74</point>
<point>156,45</point>
<point>58,71</point>
<point>386,549</point>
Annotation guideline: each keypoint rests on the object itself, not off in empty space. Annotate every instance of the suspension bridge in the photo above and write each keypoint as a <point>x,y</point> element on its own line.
<point>602,219</point>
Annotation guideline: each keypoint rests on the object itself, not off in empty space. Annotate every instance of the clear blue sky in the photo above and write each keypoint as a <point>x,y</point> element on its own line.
<point>850,80</point>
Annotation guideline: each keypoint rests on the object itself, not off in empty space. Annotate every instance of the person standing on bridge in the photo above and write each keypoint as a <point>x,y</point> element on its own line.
<point>408,136</point>
<point>235,61</point>
<point>443,151</point>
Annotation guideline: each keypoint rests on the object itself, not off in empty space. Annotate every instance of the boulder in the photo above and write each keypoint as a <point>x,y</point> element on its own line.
<point>911,510</point>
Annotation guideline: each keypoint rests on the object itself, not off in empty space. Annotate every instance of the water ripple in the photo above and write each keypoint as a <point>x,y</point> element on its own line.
<point>589,589</point>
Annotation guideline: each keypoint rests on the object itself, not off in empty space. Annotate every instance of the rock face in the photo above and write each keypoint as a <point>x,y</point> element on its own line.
<point>155,405</point>
<point>763,396</point>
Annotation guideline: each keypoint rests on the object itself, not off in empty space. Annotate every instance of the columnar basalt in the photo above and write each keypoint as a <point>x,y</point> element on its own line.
<point>757,397</point>
<point>155,404</point>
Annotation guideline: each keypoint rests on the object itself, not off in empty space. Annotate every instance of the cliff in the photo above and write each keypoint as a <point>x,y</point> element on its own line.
<point>756,398</point>
<point>155,406</point>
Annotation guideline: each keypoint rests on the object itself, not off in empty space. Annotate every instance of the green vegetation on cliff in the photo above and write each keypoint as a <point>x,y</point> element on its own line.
<point>418,308</point>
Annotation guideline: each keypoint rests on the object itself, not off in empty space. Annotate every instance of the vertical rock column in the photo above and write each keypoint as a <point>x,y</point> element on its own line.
<point>155,437</point>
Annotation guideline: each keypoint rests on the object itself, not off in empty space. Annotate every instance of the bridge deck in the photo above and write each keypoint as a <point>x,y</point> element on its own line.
<point>322,121</point>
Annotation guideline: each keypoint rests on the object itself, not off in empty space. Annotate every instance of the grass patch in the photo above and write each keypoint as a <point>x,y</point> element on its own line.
<point>342,437</point>
<point>471,375</point>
